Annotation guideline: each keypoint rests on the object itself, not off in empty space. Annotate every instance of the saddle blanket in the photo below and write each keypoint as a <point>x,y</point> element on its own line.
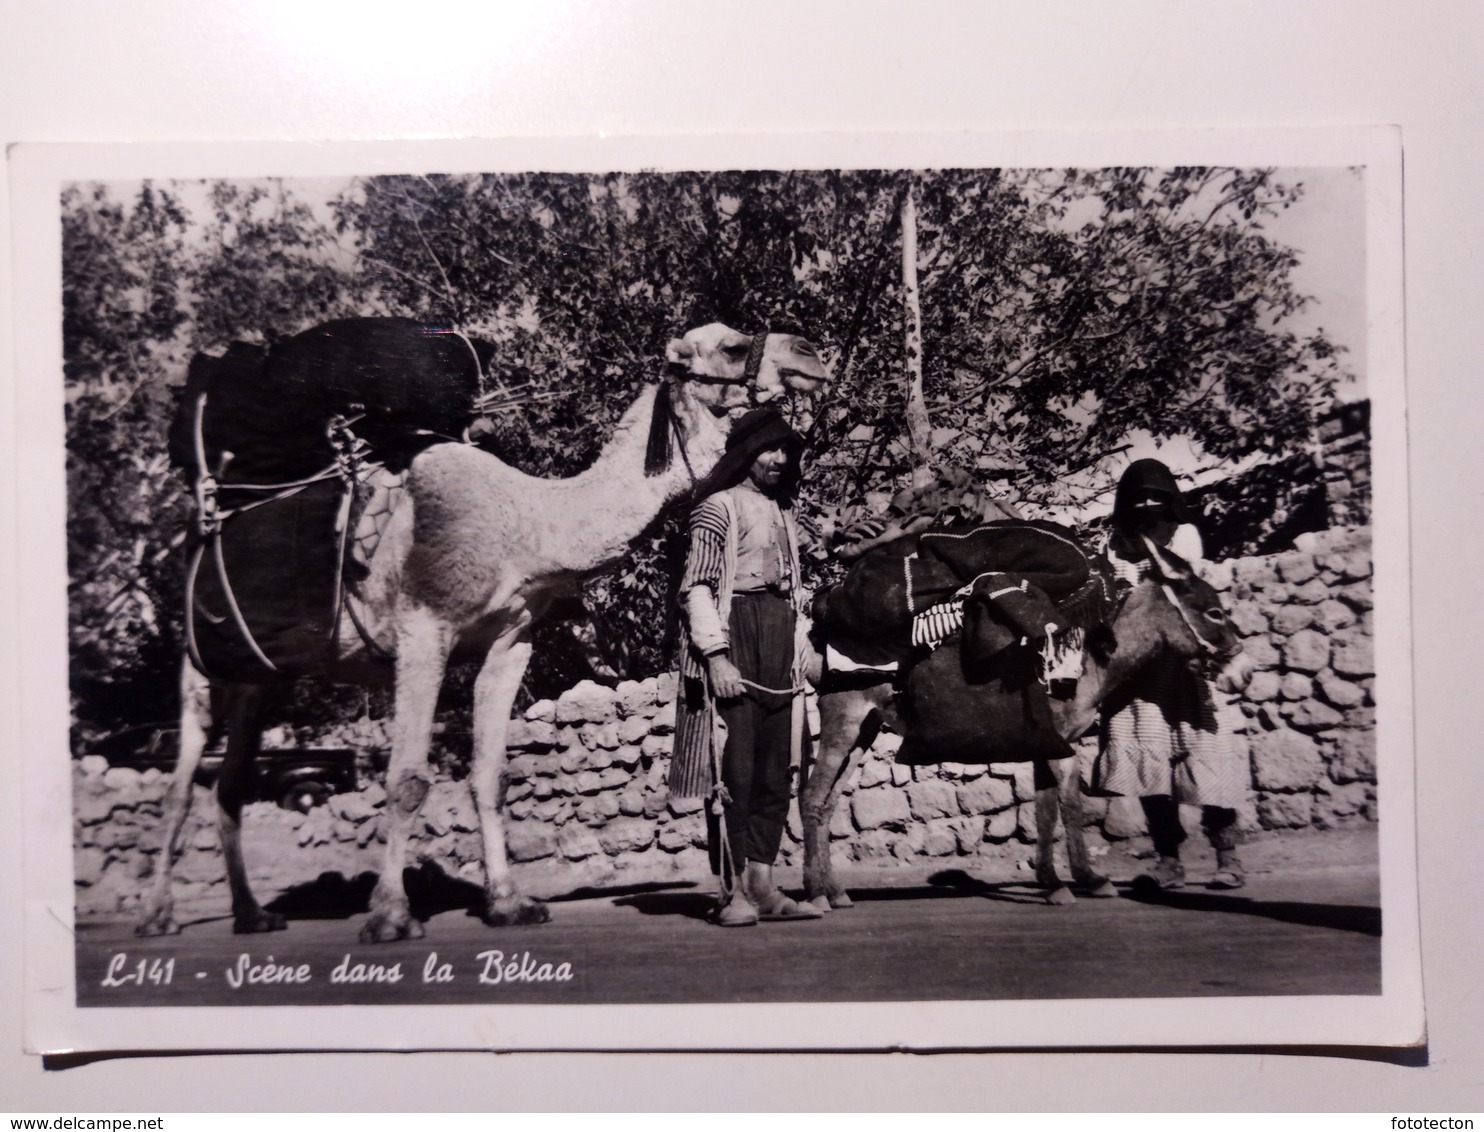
<point>965,614</point>
<point>1016,580</point>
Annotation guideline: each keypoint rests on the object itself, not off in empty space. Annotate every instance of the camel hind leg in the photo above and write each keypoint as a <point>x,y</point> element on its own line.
<point>157,916</point>
<point>849,722</point>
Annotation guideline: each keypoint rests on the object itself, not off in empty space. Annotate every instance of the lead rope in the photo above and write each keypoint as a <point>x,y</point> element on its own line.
<point>719,797</point>
<point>347,447</point>
<point>680,443</point>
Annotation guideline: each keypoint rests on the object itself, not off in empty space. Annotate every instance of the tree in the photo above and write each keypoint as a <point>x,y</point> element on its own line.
<point>1061,310</point>
<point>147,281</point>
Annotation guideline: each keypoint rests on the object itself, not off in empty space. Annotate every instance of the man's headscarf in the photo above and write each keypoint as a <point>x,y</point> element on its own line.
<point>755,432</point>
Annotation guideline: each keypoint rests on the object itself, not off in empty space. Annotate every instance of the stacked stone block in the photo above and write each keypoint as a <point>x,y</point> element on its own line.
<point>1306,621</point>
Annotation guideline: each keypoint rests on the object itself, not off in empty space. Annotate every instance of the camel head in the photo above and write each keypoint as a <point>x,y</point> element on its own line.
<point>734,372</point>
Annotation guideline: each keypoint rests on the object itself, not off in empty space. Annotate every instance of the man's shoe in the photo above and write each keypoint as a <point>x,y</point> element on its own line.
<point>738,912</point>
<point>777,906</point>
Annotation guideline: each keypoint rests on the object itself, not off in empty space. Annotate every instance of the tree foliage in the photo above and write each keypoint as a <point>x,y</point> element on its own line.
<point>1062,311</point>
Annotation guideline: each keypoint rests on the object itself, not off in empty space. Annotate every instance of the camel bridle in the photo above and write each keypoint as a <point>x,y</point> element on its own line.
<point>756,351</point>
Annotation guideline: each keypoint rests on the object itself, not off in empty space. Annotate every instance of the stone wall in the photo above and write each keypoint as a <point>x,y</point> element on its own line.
<point>1345,463</point>
<point>586,784</point>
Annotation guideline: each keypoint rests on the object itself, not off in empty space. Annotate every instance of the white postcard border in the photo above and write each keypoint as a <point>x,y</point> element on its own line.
<point>55,1025</point>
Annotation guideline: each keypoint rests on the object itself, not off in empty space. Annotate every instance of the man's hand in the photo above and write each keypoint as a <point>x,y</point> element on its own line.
<point>862,530</point>
<point>1236,674</point>
<point>726,681</point>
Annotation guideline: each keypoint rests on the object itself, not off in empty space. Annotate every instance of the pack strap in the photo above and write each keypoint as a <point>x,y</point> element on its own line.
<point>211,518</point>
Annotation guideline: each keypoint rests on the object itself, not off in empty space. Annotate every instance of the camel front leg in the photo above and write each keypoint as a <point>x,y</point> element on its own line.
<point>157,916</point>
<point>233,787</point>
<point>494,696</point>
<point>423,642</point>
<point>848,725</point>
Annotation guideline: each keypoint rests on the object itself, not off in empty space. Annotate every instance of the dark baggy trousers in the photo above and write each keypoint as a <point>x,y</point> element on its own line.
<point>1162,816</point>
<point>755,761</point>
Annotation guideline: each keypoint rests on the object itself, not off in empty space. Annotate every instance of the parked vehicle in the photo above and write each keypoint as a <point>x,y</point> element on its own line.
<point>296,778</point>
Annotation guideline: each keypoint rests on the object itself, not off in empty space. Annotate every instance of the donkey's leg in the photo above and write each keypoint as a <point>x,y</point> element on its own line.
<point>423,641</point>
<point>157,917</point>
<point>494,695</point>
<point>233,787</point>
<point>1091,882</point>
<point>848,724</point>
<point>1048,780</point>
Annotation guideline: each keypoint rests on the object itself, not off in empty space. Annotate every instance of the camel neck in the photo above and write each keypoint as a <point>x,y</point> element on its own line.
<point>607,506</point>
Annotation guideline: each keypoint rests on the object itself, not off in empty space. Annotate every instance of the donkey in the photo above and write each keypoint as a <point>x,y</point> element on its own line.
<point>1170,612</point>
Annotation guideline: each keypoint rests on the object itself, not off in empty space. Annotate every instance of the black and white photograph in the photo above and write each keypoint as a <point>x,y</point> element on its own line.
<point>793,584</point>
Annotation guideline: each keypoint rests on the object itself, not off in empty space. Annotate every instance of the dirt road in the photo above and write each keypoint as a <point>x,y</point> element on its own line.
<point>1309,922</point>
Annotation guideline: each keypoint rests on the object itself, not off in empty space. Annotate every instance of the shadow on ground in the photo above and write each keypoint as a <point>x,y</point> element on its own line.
<point>1342,917</point>
<point>693,905</point>
<point>956,882</point>
<point>953,884</point>
<point>621,890</point>
<point>330,896</point>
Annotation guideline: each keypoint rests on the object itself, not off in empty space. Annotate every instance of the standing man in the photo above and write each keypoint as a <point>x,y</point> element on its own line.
<point>736,719</point>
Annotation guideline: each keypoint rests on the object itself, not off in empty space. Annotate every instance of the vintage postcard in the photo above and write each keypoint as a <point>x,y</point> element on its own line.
<point>719,593</point>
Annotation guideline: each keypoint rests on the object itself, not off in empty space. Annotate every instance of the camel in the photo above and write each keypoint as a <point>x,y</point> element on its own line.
<point>1171,612</point>
<point>469,560</point>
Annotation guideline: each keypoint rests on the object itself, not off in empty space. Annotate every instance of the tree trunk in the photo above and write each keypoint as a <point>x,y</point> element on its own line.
<point>919,427</point>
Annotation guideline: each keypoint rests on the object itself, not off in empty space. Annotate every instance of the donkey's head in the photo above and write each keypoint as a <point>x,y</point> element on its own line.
<point>1195,622</point>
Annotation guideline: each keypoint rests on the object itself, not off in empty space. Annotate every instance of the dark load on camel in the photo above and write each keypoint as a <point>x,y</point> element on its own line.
<point>401,384</point>
<point>267,561</point>
<point>975,617</point>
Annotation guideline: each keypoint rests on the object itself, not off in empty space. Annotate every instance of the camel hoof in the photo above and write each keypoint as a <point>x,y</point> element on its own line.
<point>820,902</point>
<point>1060,896</point>
<point>841,899</point>
<point>250,923</point>
<point>383,927</point>
<point>514,911</point>
<point>157,925</point>
<point>1099,888</point>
